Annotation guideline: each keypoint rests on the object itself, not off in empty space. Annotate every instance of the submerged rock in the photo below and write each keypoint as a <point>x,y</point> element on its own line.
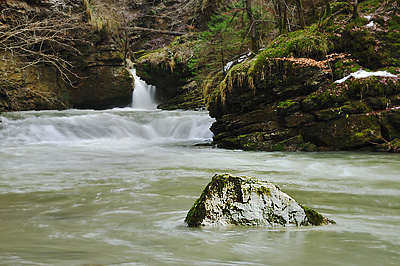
<point>234,200</point>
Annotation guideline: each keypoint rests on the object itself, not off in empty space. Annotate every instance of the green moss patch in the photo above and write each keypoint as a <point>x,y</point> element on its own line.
<point>302,43</point>
<point>315,218</point>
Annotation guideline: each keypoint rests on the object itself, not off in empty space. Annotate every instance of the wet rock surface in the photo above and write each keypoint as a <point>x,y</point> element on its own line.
<point>298,108</point>
<point>246,201</point>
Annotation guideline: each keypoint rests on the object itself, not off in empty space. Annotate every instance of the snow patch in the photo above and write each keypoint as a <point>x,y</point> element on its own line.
<point>228,65</point>
<point>239,60</point>
<point>364,74</point>
<point>371,24</point>
<point>368,17</point>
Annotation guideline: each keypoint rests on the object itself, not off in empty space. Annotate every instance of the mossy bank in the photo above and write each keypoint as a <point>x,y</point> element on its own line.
<point>286,98</point>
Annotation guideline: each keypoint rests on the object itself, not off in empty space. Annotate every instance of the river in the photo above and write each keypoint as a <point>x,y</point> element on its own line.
<point>85,187</point>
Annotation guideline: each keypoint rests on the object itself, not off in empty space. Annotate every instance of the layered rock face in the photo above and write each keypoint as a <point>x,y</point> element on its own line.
<point>294,107</point>
<point>78,67</point>
<point>286,98</point>
<point>233,200</point>
<point>103,80</point>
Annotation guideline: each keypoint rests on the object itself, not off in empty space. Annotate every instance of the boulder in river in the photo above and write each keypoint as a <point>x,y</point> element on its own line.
<point>238,200</point>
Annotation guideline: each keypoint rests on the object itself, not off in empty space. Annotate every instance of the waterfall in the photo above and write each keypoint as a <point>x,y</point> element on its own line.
<point>143,96</point>
<point>118,124</point>
<point>115,124</point>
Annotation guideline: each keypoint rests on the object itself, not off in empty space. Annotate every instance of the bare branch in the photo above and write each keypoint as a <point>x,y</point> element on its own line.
<point>44,38</point>
<point>174,33</point>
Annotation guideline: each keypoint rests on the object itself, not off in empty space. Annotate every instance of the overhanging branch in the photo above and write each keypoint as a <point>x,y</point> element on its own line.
<point>174,33</point>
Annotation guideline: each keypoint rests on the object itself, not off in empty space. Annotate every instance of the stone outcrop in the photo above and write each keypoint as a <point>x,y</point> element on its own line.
<point>96,78</point>
<point>234,200</point>
<point>296,107</point>
<point>103,80</point>
<point>286,98</point>
<point>167,69</point>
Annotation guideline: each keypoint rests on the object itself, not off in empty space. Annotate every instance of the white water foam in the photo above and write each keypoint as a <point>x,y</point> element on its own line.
<point>85,125</point>
<point>143,96</point>
<point>31,130</point>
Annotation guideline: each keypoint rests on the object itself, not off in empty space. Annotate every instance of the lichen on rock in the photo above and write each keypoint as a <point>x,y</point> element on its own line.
<point>246,201</point>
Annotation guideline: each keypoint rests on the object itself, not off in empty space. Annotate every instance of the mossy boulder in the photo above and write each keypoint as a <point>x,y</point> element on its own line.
<point>390,123</point>
<point>246,201</point>
<point>348,132</point>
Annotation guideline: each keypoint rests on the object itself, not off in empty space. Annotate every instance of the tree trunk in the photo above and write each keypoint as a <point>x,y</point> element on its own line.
<point>282,17</point>
<point>300,13</point>
<point>355,9</point>
<point>253,30</point>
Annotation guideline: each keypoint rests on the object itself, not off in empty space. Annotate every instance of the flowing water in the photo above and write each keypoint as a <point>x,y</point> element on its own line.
<point>144,95</point>
<point>83,187</point>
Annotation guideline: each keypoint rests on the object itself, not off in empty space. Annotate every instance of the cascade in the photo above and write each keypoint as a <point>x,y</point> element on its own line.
<point>133,124</point>
<point>143,96</point>
<point>115,124</point>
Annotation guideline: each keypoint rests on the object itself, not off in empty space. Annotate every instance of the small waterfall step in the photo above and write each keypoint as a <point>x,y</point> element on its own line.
<point>143,96</point>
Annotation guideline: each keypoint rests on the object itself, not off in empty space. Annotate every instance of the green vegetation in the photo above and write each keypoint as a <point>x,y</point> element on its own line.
<point>314,217</point>
<point>286,104</point>
<point>179,52</point>
<point>225,40</point>
<point>302,43</point>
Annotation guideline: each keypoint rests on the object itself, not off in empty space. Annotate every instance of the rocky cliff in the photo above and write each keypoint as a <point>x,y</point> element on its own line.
<point>167,69</point>
<point>77,67</point>
<point>291,97</point>
<point>290,106</point>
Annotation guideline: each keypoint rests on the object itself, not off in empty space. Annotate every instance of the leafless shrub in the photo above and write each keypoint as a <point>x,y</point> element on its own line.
<point>49,38</point>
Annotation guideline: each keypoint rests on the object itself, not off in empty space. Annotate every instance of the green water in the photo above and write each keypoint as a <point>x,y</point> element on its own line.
<point>113,188</point>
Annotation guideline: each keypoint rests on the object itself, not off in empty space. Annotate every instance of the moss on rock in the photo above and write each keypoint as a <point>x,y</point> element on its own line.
<point>316,218</point>
<point>169,70</point>
<point>350,132</point>
<point>246,201</point>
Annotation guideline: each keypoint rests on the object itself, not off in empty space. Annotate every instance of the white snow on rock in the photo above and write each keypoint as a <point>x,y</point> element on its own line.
<point>239,60</point>
<point>371,24</point>
<point>364,74</point>
<point>368,17</point>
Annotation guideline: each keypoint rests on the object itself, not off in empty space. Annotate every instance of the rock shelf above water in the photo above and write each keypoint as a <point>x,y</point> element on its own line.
<point>246,201</point>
